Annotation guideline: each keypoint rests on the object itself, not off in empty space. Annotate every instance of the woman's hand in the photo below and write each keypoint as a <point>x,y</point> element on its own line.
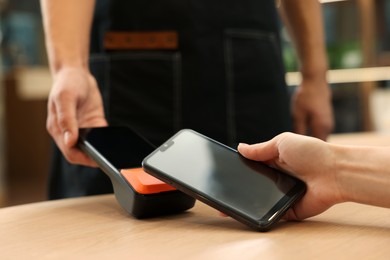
<point>306,158</point>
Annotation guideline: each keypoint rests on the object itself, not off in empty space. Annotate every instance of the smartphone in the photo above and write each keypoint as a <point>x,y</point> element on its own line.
<point>119,151</point>
<point>114,147</point>
<point>251,192</point>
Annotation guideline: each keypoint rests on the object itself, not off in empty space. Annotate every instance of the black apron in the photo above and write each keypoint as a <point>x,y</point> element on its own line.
<point>225,79</point>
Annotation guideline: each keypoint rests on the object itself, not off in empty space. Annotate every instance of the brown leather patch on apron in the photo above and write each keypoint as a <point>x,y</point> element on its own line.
<point>141,40</point>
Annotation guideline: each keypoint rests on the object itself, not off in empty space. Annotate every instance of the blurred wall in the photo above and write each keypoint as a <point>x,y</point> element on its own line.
<point>25,146</point>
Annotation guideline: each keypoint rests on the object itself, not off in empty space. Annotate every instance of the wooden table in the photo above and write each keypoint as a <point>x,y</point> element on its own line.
<point>97,228</point>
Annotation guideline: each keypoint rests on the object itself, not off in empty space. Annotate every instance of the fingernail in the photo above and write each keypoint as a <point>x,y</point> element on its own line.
<point>241,145</point>
<point>67,137</point>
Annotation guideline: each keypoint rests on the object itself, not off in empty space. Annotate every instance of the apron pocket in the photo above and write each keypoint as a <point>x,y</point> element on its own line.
<point>144,92</point>
<point>257,100</point>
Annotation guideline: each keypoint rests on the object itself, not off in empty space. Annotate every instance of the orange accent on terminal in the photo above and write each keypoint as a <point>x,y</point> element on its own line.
<point>144,183</point>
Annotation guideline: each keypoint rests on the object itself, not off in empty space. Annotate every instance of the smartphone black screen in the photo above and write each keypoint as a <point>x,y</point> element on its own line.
<point>119,145</point>
<point>216,174</point>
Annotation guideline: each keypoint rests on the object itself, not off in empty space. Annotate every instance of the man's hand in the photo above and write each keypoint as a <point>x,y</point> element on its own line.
<point>74,102</point>
<point>312,108</point>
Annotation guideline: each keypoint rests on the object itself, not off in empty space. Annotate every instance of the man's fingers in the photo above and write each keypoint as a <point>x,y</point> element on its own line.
<point>76,156</point>
<point>66,141</point>
<point>321,129</point>
<point>67,121</point>
<point>300,123</point>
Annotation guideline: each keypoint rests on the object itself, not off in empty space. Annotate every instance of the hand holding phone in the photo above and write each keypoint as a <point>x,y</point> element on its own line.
<point>251,192</point>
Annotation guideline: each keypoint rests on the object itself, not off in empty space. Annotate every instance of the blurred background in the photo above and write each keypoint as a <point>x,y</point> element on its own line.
<point>358,45</point>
